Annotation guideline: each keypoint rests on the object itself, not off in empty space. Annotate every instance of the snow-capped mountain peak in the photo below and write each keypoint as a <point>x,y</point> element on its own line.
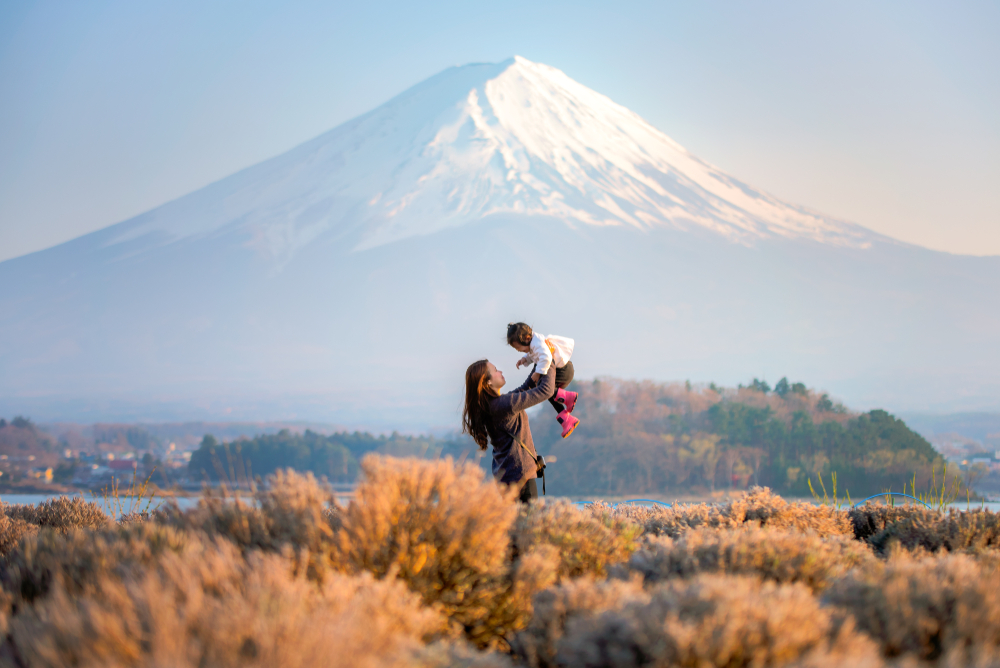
<point>530,140</point>
<point>516,138</point>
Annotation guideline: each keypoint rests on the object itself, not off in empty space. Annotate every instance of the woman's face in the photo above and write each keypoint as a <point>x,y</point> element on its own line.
<point>496,377</point>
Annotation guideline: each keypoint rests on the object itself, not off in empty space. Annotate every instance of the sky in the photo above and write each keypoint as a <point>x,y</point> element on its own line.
<point>886,114</point>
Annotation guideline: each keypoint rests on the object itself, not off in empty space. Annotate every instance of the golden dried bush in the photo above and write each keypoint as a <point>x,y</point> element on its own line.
<point>759,507</point>
<point>61,513</point>
<point>871,518</point>
<point>79,559</point>
<point>293,512</point>
<point>587,541</point>
<point>445,531</point>
<point>930,607</point>
<point>444,654</point>
<point>430,552</point>
<point>711,620</point>
<point>762,507</point>
<point>11,533</point>
<point>218,514</point>
<point>972,531</point>
<point>208,606</point>
<point>298,508</point>
<point>558,608</point>
<point>674,520</point>
<point>781,556</point>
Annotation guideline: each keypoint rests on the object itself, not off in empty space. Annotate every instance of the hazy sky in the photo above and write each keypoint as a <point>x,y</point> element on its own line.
<point>883,113</point>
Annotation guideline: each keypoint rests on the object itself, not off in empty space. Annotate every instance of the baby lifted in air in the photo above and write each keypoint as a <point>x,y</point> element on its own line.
<point>543,351</point>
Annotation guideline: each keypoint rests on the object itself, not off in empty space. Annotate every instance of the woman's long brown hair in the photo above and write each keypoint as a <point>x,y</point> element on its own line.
<point>477,394</point>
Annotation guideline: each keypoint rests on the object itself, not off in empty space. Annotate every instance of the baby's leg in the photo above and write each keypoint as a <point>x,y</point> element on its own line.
<point>564,377</point>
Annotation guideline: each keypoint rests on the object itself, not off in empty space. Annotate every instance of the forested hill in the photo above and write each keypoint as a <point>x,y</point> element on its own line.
<point>646,438</point>
<point>639,437</point>
<point>334,456</point>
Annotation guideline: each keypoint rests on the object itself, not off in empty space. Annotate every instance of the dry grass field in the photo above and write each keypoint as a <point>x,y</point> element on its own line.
<point>431,566</point>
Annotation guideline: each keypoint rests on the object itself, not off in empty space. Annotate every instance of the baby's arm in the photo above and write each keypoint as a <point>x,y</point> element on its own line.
<point>543,356</point>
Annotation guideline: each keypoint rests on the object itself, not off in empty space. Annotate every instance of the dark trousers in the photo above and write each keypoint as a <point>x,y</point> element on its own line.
<point>529,491</point>
<point>564,377</point>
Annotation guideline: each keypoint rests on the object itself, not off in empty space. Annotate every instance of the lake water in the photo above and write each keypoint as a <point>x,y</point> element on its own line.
<point>185,502</point>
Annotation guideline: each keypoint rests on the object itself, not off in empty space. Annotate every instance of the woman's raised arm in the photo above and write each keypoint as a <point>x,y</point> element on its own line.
<point>522,398</point>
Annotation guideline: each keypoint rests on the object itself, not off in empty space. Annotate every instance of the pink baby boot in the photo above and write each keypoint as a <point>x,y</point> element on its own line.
<point>568,423</point>
<point>566,398</point>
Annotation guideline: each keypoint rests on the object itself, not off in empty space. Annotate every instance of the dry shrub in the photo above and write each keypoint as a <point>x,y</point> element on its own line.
<point>445,531</point>
<point>871,518</point>
<point>674,520</point>
<point>297,507</point>
<point>11,533</point>
<point>293,513</point>
<point>763,507</point>
<point>587,541</point>
<point>443,654</point>
<point>955,531</point>
<point>207,606</point>
<point>759,507</point>
<point>711,620</point>
<point>61,513</point>
<point>928,607</point>
<point>135,518</point>
<point>776,555</point>
<point>218,514</point>
<point>78,560</point>
<point>560,607</point>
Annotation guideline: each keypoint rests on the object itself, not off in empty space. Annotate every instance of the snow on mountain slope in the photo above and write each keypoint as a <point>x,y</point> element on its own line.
<point>516,137</point>
<point>536,142</point>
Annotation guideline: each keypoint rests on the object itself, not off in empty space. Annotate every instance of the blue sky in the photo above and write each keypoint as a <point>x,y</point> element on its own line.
<point>886,114</point>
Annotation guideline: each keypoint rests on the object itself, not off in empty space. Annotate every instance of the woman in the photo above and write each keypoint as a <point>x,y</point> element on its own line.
<point>500,418</point>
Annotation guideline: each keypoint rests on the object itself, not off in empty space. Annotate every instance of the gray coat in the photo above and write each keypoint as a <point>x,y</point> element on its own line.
<point>513,464</point>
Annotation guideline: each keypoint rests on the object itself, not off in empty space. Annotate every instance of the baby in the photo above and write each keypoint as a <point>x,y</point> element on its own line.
<point>543,351</point>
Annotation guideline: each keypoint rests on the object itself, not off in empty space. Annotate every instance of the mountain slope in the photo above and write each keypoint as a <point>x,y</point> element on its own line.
<point>355,276</point>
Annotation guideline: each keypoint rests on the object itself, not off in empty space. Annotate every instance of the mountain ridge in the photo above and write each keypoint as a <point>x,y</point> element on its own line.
<point>286,290</point>
<point>497,82</point>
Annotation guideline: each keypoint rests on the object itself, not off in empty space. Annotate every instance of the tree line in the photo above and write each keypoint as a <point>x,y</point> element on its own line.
<point>335,456</point>
<point>640,437</point>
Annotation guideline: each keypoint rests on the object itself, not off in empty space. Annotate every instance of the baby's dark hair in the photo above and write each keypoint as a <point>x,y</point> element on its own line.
<point>518,332</point>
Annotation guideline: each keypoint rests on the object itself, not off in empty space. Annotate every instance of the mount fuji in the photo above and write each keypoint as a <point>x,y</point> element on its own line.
<point>354,277</point>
